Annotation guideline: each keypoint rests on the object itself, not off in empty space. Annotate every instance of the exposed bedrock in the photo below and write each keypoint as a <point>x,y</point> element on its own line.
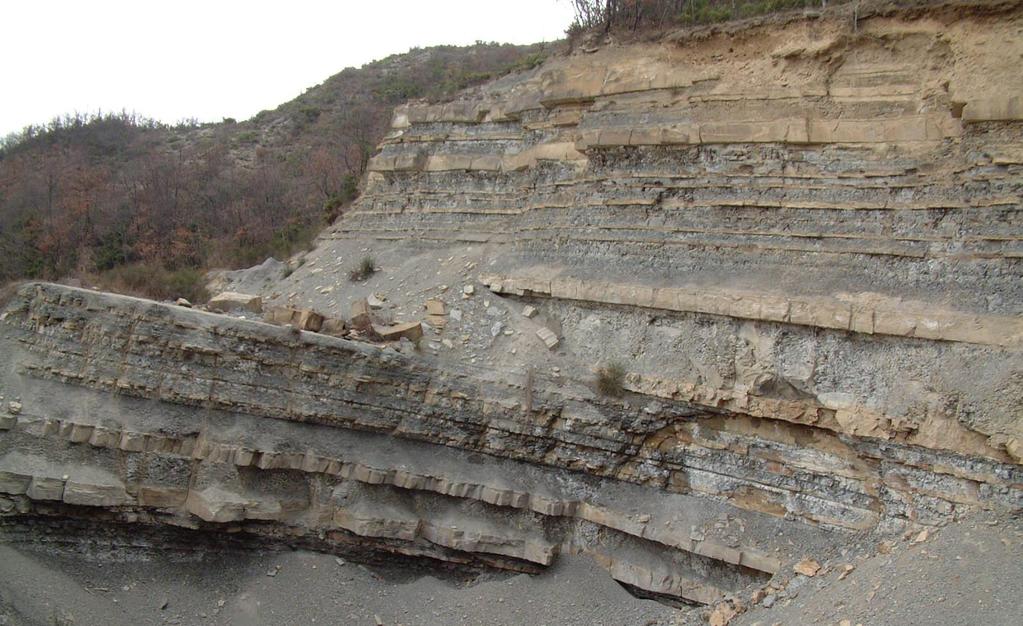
<point>883,159</point>
<point>188,418</point>
<point>804,243</point>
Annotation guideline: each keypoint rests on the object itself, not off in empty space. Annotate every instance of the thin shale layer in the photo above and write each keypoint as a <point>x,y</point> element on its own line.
<point>804,241</point>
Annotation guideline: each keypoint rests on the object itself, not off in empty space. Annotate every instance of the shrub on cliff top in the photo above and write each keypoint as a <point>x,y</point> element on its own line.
<point>151,280</point>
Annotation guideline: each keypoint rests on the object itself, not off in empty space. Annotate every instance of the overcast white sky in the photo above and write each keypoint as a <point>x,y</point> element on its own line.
<point>211,59</point>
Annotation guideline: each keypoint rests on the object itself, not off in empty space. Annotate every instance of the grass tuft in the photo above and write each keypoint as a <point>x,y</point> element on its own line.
<point>367,267</point>
<point>611,380</point>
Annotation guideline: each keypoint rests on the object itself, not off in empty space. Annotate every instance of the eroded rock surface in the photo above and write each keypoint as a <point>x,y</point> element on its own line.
<point>802,242</point>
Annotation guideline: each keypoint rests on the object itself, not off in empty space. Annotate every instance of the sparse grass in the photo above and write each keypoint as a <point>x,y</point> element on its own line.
<point>526,62</point>
<point>367,267</point>
<point>712,11</point>
<point>154,281</point>
<point>611,380</point>
<point>61,618</point>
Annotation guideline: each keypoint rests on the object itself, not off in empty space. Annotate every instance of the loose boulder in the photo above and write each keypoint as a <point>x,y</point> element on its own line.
<point>230,301</point>
<point>548,337</point>
<point>435,307</point>
<point>361,318</point>
<point>332,326</point>
<point>302,319</point>
<point>413,331</point>
<point>309,320</point>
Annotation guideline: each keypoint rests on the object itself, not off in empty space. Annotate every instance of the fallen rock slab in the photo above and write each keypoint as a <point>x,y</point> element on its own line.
<point>230,301</point>
<point>807,567</point>
<point>302,319</point>
<point>435,307</point>
<point>333,326</point>
<point>309,320</point>
<point>413,331</point>
<point>361,317</point>
<point>548,337</point>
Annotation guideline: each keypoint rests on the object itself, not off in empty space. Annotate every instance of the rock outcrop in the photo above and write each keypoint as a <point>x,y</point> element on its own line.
<point>808,189</point>
<point>802,242</point>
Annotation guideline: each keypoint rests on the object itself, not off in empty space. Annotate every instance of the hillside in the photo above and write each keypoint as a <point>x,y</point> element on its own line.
<point>142,207</point>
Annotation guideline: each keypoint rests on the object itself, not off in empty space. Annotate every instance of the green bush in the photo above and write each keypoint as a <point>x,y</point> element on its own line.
<point>250,249</point>
<point>349,192</point>
<point>611,380</point>
<point>527,62</point>
<point>367,267</point>
<point>110,251</point>
<point>394,89</point>
<point>308,114</point>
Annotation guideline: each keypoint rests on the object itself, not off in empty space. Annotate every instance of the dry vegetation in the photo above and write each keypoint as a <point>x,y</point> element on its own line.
<point>366,268</point>
<point>622,15</point>
<point>611,380</point>
<point>137,206</point>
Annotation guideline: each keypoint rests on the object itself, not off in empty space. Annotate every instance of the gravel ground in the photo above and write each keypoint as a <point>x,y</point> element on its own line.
<point>963,574</point>
<point>968,573</point>
<point>304,588</point>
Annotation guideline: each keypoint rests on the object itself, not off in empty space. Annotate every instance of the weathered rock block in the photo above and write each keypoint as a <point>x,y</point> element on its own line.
<point>230,301</point>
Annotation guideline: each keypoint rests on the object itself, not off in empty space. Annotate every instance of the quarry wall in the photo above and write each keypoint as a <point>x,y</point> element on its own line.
<point>802,239</point>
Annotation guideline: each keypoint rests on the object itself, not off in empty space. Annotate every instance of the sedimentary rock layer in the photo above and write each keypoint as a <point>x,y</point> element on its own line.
<point>131,405</point>
<point>882,158</point>
<point>862,176</point>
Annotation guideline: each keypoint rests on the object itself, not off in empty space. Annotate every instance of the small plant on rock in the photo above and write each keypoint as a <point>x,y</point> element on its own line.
<point>611,379</point>
<point>367,267</point>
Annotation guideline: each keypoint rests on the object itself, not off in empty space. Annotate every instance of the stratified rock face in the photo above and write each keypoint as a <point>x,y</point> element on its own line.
<point>824,209</point>
<point>168,415</point>
<point>802,243</point>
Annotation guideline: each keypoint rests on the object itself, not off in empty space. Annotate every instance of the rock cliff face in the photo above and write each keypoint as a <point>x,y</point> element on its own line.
<point>802,242</point>
<point>837,204</point>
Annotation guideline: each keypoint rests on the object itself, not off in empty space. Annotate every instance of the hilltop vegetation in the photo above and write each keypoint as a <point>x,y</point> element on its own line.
<point>143,207</point>
<point>621,15</point>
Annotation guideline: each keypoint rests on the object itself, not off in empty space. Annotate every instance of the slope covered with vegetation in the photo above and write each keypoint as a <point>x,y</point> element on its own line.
<point>139,206</point>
